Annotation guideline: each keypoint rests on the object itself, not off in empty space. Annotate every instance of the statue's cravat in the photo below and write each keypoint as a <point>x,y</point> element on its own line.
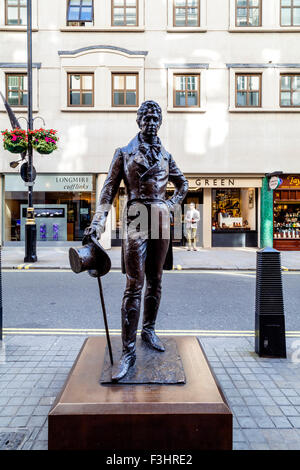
<point>151,151</point>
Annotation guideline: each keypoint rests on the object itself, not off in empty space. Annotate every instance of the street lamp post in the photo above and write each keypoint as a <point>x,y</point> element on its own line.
<point>30,227</point>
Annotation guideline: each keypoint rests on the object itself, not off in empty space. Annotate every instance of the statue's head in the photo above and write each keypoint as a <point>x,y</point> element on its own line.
<point>149,118</point>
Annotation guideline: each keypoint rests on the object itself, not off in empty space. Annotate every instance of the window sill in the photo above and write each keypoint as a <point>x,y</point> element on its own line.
<point>19,110</point>
<point>261,29</point>
<point>264,110</point>
<point>16,28</point>
<point>191,29</point>
<point>111,29</point>
<point>99,110</point>
<point>186,110</point>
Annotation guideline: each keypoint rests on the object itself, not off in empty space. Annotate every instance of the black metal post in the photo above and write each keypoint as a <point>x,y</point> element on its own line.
<point>1,309</point>
<point>269,309</point>
<point>30,227</point>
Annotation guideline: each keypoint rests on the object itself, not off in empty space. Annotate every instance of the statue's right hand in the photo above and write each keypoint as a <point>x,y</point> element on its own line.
<point>90,231</point>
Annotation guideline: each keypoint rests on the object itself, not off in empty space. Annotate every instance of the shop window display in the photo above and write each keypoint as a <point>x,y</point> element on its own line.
<point>234,217</point>
<point>60,216</point>
<point>230,210</point>
<point>287,215</point>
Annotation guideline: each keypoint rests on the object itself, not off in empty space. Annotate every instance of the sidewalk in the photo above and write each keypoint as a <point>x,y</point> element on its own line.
<point>212,258</point>
<point>263,394</point>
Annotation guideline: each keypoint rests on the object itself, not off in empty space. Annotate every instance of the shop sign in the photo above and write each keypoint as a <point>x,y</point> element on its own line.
<point>290,181</point>
<point>223,182</point>
<point>274,182</point>
<point>52,183</point>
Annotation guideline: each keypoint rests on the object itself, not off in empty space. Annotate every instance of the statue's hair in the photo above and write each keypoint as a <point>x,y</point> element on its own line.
<point>144,108</point>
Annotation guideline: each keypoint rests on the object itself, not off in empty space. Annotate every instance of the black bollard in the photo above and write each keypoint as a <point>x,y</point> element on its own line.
<point>1,310</point>
<point>269,309</point>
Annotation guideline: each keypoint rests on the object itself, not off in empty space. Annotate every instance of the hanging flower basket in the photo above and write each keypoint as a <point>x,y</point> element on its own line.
<point>15,141</point>
<point>44,140</point>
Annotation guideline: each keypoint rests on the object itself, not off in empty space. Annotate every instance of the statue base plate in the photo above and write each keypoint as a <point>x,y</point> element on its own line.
<point>151,367</point>
<point>122,417</point>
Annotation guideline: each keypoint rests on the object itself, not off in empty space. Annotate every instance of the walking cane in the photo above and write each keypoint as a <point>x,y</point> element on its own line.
<point>105,320</point>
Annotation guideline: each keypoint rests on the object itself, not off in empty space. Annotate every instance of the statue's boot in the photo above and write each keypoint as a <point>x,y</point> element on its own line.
<point>130,316</point>
<point>127,360</point>
<point>151,304</point>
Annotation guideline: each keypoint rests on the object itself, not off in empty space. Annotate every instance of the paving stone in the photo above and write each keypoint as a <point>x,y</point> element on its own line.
<point>19,421</point>
<point>26,410</point>
<point>295,420</point>
<point>273,410</point>
<point>294,400</point>
<point>246,422</point>
<point>281,400</point>
<point>264,422</point>
<point>266,401</point>
<point>246,392</point>
<point>289,411</point>
<point>9,410</point>
<point>238,435</point>
<point>252,401</point>
<point>16,400</point>
<point>41,410</point>
<point>260,446</point>
<point>40,445</point>
<point>240,411</point>
<point>32,400</point>
<point>240,446</point>
<point>258,411</point>
<point>4,420</point>
<point>289,392</point>
<point>281,422</point>
<point>236,401</point>
<point>36,421</point>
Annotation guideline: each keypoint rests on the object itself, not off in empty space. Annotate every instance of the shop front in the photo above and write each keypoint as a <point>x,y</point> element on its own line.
<point>230,210</point>
<point>287,214</point>
<point>63,203</point>
<point>228,207</point>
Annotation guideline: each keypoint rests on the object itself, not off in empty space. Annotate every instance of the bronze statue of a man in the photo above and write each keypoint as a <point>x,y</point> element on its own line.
<point>146,167</point>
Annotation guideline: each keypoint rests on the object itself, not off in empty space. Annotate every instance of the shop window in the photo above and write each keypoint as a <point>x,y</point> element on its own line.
<point>186,13</point>
<point>16,89</point>
<point>290,90</point>
<point>80,13</point>
<point>59,215</point>
<point>287,215</point>
<point>124,89</point>
<point>81,89</point>
<point>248,90</point>
<point>186,91</point>
<point>16,12</point>
<point>233,209</point>
<point>248,13</point>
<point>290,13</point>
<point>124,12</point>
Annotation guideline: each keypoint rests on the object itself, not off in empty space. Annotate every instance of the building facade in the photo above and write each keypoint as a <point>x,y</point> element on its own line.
<point>226,74</point>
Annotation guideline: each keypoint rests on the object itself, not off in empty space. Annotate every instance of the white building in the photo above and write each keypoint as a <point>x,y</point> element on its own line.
<point>225,72</point>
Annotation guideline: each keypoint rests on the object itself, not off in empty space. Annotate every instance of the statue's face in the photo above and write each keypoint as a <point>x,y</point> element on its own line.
<point>150,123</point>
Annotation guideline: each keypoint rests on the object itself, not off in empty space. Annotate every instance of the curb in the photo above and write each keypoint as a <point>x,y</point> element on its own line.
<point>118,268</point>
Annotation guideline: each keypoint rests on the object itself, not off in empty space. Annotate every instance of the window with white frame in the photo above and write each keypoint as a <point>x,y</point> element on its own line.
<point>80,13</point>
